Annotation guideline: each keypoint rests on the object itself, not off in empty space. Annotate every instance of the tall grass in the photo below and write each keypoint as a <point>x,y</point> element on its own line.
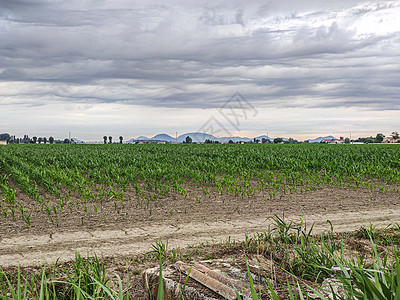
<point>302,261</point>
<point>307,262</point>
<point>85,280</point>
<point>311,257</point>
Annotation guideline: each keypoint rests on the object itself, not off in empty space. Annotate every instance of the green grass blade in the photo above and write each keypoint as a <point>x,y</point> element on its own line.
<point>186,280</point>
<point>238,297</point>
<point>120,290</point>
<point>160,293</point>
<point>42,285</point>
<point>13,293</point>
<point>254,295</point>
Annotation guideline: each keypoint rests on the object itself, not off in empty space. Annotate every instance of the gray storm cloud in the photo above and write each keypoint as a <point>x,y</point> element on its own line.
<point>194,55</point>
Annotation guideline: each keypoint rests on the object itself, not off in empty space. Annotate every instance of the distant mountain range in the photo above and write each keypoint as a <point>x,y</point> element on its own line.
<point>144,138</point>
<point>202,137</point>
<point>163,138</point>
<point>319,139</point>
<point>196,137</point>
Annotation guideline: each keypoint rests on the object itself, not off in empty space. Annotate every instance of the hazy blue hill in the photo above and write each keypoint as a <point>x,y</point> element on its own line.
<point>235,139</point>
<point>140,138</point>
<point>143,138</point>
<point>197,137</point>
<point>319,139</point>
<point>163,137</point>
<point>264,137</point>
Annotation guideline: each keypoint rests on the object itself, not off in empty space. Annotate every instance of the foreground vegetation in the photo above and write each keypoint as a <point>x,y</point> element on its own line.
<point>50,179</point>
<point>301,262</point>
<point>83,177</point>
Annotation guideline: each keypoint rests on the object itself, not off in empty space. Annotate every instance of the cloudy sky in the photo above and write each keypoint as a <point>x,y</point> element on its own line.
<point>122,67</point>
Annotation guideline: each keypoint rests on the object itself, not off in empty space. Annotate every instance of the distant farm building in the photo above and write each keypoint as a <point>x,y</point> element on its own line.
<point>390,140</point>
<point>3,143</point>
<point>332,141</point>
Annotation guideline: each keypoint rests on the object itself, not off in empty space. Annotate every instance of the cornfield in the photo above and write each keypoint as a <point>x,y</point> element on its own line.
<point>58,177</point>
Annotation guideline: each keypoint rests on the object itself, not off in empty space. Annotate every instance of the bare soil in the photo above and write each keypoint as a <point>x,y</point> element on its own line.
<point>182,221</point>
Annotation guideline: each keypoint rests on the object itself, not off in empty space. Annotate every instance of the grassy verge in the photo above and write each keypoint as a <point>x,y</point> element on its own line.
<point>301,263</point>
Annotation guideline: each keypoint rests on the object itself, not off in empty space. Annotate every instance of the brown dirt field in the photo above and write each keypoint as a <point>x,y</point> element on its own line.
<point>183,221</point>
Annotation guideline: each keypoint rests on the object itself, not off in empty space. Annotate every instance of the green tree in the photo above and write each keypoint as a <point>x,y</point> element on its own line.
<point>5,137</point>
<point>347,140</point>
<point>105,139</point>
<point>278,140</point>
<point>369,140</point>
<point>40,140</point>
<point>51,140</point>
<point>45,140</point>
<point>395,135</point>
<point>120,139</point>
<point>379,138</point>
<point>188,140</point>
<point>34,139</point>
<point>230,142</point>
<point>110,139</point>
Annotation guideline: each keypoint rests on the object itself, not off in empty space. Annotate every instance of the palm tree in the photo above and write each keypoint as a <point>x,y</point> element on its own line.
<point>105,139</point>
<point>120,139</point>
<point>110,139</point>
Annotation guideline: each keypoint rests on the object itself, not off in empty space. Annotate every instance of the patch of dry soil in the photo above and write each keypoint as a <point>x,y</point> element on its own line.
<point>211,220</point>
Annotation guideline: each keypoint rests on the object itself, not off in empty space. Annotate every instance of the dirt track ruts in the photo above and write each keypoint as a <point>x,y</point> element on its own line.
<point>35,249</point>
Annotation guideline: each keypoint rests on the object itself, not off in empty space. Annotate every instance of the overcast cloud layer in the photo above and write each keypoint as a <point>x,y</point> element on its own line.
<point>140,67</point>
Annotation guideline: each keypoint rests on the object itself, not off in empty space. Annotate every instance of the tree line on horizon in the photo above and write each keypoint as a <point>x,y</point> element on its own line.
<point>188,140</point>
<point>27,140</point>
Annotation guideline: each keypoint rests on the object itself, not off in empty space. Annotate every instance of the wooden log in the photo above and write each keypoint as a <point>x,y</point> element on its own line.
<point>209,282</point>
<point>225,280</point>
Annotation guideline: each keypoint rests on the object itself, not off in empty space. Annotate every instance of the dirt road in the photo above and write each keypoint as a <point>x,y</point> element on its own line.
<point>35,249</point>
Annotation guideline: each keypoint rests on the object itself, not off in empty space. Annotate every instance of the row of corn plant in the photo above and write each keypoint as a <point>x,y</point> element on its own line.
<point>89,175</point>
